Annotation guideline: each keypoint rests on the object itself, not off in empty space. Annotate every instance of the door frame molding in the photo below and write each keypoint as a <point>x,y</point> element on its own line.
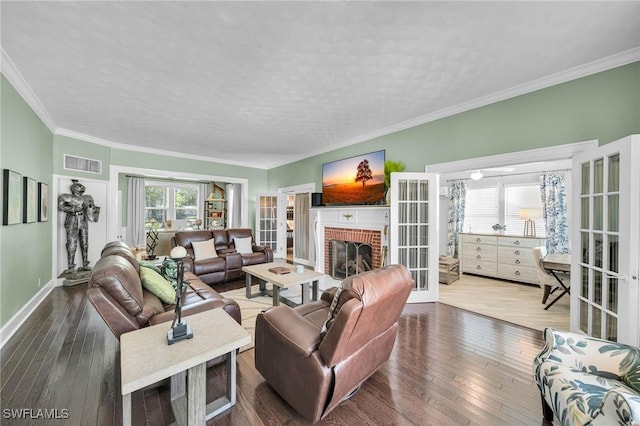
<point>551,153</point>
<point>282,212</point>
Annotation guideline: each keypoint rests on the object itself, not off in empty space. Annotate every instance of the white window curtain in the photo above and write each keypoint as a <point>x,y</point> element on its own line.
<point>554,212</point>
<point>234,205</point>
<point>203,193</point>
<point>136,235</point>
<point>457,201</point>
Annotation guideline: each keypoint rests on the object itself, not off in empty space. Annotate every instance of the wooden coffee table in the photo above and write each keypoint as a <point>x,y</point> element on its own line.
<point>280,281</point>
<point>146,358</point>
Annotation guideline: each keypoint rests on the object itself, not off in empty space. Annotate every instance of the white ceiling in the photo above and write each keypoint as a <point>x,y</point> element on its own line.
<point>266,83</point>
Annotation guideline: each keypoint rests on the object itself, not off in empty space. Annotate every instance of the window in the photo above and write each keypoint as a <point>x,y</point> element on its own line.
<point>500,203</point>
<point>171,201</point>
<point>482,209</point>
<point>522,197</point>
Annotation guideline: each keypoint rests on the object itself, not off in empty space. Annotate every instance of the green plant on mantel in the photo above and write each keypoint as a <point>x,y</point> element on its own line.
<point>390,167</point>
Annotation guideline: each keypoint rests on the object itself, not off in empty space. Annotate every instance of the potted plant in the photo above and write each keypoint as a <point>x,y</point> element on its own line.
<point>499,229</point>
<point>390,167</point>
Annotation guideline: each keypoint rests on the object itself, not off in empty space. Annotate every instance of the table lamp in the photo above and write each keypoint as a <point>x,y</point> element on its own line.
<point>529,215</point>
<point>180,330</point>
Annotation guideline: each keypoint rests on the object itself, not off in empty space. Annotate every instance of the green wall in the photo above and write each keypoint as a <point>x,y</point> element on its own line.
<point>66,145</point>
<point>603,106</point>
<point>26,147</point>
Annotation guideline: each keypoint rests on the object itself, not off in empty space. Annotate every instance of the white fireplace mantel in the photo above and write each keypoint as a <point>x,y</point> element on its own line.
<point>374,218</point>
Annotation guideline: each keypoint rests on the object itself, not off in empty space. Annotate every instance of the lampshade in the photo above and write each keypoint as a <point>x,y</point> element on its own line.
<point>178,252</point>
<point>476,175</point>
<point>530,213</point>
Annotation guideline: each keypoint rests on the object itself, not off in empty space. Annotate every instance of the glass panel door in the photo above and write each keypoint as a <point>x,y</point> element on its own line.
<point>267,222</point>
<point>414,227</point>
<point>604,293</point>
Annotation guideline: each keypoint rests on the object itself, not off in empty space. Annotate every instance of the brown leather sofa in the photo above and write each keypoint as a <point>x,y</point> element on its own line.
<point>315,370</point>
<point>228,265</point>
<point>115,290</point>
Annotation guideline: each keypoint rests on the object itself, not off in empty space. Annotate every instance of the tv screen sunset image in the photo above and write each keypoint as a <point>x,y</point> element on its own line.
<point>355,180</point>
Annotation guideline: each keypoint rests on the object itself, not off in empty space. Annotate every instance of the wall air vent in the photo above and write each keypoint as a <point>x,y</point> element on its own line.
<point>71,162</point>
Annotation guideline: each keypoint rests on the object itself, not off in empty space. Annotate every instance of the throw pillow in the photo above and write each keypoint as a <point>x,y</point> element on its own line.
<point>156,284</point>
<point>243,245</point>
<point>150,265</point>
<point>204,249</point>
<point>169,270</point>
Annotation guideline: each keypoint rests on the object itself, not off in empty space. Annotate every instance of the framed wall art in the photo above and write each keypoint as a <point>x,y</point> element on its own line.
<point>29,200</point>
<point>11,197</point>
<point>43,202</point>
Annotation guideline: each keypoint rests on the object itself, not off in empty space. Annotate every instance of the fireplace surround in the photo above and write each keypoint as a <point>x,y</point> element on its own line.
<point>361,226</point>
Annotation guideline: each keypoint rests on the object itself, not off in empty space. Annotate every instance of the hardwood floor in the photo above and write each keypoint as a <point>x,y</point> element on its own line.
<point>449,366</point>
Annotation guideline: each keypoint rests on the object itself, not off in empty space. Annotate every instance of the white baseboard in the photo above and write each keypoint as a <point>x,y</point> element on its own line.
<point>21,316</point>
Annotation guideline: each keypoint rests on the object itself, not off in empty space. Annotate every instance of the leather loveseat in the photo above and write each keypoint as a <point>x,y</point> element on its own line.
<point>318,354</point>
<point>228,263</point>
<point>116,291</point>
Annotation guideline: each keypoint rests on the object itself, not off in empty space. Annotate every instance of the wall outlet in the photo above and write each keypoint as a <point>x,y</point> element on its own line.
<point>39,282</point>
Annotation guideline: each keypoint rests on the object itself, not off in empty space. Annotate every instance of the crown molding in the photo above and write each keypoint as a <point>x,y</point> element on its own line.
<point>146,150</point>
<point>604,64</point>
<point>20,84</point>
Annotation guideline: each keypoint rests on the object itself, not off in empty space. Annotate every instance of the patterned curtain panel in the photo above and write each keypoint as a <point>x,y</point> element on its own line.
<point>458,192</point>
<point>554,212</point>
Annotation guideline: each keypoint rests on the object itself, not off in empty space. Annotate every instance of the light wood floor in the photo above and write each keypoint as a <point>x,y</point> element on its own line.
<point>516,303</point>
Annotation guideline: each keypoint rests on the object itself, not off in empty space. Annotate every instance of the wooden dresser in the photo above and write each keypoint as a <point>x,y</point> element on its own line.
<point>508,257</point>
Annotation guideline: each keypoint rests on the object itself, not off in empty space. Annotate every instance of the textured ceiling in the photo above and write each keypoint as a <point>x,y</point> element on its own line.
<point>265,83</point>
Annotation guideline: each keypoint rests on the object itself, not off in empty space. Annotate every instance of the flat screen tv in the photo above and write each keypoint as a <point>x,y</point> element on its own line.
<point>355,180</point>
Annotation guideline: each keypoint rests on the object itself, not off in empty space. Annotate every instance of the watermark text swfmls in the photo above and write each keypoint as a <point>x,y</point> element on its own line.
<point>35,413</point>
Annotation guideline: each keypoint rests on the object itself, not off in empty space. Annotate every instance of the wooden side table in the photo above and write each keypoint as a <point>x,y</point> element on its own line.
<point>449,269</point>
<point>146,358</point>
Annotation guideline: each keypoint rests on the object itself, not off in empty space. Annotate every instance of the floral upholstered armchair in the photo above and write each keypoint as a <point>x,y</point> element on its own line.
<point>588,381</point>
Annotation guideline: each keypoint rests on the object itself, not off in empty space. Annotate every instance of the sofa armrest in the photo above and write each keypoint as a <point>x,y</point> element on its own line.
<point>190,309</point>
<point>301,335</point>
<point>619,407</point>
<point>585,353</point>
<point>225,251</point>
<point>268,252</point>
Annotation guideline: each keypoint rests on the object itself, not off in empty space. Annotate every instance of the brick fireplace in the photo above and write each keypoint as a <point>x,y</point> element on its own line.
<point>361,225</point>
<point>362,236</point>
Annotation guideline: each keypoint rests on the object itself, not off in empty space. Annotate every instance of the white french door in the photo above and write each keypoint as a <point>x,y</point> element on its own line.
<point>267,222</point>
<point>414,231</point>
<point>605,234</point>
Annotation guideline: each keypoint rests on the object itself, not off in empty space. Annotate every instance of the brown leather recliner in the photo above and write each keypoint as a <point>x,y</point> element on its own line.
<point>314,371</point>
